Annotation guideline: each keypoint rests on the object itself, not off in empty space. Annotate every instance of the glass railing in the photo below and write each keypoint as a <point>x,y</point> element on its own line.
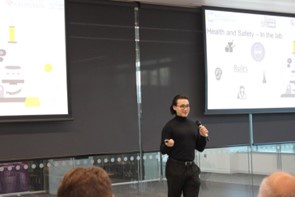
<point>222,168</point>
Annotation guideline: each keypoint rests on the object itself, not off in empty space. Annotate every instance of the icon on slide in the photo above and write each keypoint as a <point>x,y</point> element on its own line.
<point>229,47</point>
<point>290,86</point>
<point>2,54</point>
<point>242,93</point>
<point>257,51</point>
<point>218,73</point>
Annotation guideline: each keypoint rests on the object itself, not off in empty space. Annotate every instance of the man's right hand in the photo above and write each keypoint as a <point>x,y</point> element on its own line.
<point>169,142</point>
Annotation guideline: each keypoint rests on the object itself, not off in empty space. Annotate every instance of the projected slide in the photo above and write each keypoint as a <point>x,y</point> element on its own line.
<point>250,60</point>
<point>33,78</point>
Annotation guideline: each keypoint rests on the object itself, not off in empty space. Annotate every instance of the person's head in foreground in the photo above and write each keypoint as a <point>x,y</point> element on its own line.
<point>278,184</point>
<point>85,182</point>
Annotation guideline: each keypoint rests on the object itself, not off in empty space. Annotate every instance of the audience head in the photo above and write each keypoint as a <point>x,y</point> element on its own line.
<point>278,184</point>
<point>85,182</point>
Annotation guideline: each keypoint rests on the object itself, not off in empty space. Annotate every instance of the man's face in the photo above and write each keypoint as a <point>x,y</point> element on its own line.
<point>182,108</point>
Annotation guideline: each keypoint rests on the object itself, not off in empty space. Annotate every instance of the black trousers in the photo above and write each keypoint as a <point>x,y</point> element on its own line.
<point>182,178</point>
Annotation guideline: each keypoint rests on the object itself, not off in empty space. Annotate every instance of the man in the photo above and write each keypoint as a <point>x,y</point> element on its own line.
<point>278,184</point>
<point>180,138</point>
<point>85,182</point>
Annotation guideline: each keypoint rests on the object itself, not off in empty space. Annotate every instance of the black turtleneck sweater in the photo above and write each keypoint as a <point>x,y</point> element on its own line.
<point>185,134</point>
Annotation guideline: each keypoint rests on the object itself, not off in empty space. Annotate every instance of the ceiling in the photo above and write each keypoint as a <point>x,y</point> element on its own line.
<point>285,6</point>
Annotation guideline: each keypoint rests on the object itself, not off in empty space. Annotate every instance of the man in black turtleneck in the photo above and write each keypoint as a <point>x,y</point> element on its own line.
<point>180,138</point>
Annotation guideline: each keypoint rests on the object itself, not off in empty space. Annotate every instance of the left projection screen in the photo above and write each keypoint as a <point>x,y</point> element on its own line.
<point>33,71</point>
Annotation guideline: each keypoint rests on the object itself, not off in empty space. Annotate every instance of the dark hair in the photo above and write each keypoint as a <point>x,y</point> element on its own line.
<point>86,182</point>
<point>174,102</point>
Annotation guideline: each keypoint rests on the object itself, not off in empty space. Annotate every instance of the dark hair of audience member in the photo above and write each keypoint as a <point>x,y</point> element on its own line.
<point>85,182</point>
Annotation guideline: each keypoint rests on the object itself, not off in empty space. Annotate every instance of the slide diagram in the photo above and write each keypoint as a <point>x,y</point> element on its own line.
<point>11,76</point>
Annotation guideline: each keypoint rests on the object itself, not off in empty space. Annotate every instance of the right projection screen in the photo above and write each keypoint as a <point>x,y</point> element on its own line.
<point>250,61</point>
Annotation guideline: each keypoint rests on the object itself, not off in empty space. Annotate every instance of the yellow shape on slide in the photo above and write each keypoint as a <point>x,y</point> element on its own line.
<point>32,102</point>
<point>11,34</point>
<point>48,68</point>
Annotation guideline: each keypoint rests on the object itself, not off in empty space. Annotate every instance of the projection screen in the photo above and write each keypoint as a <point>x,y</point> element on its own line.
<point>250,61</point>
<point>33,69</point>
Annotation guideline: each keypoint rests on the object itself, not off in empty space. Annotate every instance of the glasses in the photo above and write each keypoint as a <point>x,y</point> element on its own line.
<point>183,106</point>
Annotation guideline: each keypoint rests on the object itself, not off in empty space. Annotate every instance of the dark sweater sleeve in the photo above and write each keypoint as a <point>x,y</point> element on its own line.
<point>201,143</point>
<point>166,134</point>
